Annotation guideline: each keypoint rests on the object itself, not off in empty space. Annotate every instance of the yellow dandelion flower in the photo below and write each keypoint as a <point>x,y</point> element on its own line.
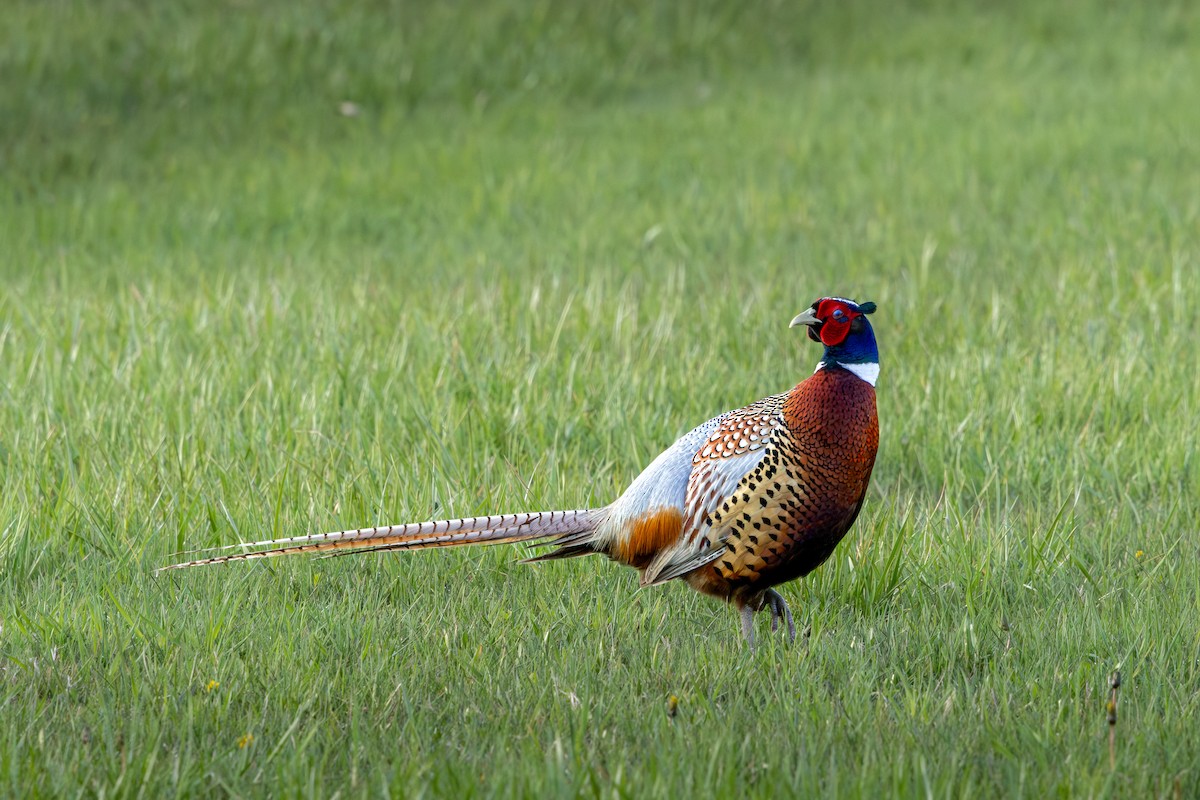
<point>245,741</point>
<point>1139,554</point>
<point>211,686</point>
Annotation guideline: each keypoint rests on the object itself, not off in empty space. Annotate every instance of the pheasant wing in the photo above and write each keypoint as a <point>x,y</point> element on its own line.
<point>735,457</point>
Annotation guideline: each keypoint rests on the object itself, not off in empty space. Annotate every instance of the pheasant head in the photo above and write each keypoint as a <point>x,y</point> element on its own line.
<point>841,325</point>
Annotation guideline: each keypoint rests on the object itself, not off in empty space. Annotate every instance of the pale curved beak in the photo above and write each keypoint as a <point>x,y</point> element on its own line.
<point>805,317</point>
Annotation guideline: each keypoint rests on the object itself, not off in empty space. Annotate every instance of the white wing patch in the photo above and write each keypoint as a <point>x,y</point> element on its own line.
<point>662,484</point>
<point>735,447</point>
<point>713,481</point>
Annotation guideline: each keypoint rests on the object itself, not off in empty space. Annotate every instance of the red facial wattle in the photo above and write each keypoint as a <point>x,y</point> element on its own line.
<point>836,318</point>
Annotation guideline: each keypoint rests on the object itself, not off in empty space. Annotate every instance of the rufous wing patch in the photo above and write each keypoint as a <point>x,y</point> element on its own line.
<point>648,534</point>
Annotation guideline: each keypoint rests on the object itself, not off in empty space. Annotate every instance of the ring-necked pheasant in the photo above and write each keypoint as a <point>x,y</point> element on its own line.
<point>740,504</point>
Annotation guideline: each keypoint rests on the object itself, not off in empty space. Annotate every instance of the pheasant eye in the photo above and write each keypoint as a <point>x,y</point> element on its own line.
<point>839,315</point>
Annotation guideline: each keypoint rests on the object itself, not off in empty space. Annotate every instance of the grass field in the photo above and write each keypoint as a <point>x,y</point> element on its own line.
<point>543,242</point>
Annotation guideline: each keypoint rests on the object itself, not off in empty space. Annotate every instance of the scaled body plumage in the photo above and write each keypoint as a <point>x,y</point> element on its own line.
<point>742,503</point>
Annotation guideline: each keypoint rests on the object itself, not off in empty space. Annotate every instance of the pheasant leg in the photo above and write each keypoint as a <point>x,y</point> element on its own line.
<point>779,610</point>
<point>748,625</point>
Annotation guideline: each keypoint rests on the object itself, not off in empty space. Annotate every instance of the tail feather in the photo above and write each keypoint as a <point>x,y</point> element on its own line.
<point>547,526</point>
<point>570,545</point>
<point>551,535</point>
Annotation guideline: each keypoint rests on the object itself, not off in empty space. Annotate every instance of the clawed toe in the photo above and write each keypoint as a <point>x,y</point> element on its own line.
<point>774,603</point>
<point>779,610</point>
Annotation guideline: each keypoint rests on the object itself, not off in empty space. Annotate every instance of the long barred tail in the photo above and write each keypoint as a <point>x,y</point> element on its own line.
<point>543,527</point>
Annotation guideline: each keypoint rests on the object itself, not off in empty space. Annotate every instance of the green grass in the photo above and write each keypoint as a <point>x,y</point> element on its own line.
<point>554,239</point>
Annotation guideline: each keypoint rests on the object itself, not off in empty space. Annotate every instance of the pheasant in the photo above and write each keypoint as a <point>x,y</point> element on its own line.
<point>746,501</point>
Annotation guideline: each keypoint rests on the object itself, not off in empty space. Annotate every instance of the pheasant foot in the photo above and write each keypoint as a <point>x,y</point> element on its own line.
<point>779,610</point>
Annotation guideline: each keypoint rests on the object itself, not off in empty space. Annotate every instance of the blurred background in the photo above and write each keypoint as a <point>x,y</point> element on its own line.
<point>613,136</point>
<point>1018,187</point>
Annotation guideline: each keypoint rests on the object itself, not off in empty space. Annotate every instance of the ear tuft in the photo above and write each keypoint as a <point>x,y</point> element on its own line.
<point>867,307</point>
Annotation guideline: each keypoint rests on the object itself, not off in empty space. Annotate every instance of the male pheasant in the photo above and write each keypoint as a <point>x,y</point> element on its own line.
<point>740,504</point>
